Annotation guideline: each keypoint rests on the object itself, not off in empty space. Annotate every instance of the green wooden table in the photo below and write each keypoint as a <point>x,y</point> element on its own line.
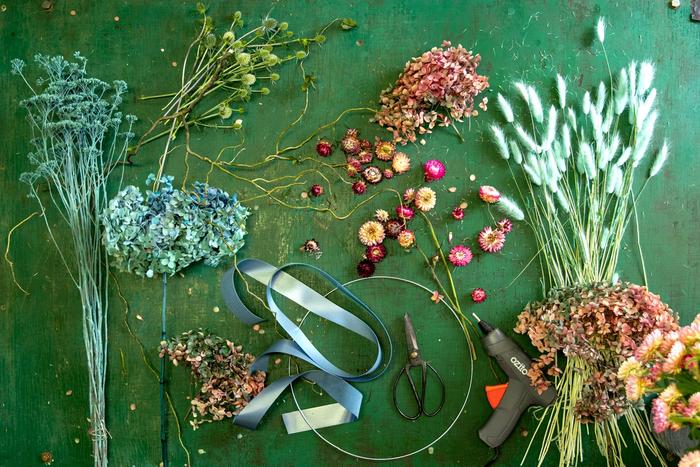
<point>42,366</point>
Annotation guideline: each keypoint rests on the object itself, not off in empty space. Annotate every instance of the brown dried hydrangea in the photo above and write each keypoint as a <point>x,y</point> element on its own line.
<point>434,89</point>
<point>601,324</point>
<point>221,372</point>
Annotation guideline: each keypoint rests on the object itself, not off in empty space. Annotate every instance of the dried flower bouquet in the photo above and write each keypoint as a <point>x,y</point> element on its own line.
<point>578,171</point>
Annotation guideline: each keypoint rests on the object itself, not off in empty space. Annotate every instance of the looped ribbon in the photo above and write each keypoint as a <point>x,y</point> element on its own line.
<point>332,379</point>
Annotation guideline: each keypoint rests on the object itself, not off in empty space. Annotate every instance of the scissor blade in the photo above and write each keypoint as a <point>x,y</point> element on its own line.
<point>411,341</point>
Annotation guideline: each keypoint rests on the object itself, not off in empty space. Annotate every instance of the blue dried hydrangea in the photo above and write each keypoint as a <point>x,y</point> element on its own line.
<point>169,229</point>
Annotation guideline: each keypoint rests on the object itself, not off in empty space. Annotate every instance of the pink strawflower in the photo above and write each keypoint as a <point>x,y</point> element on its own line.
<point>406,238</point>
<point>316,190</point>
<point>674,360</point>
<point>694,403</point>
<point>489,194</point>
<point>388,174</point>
<point>491,240</point>
<point>458,213</point>
<point>659,414</point>
<point>409,195</point>
<point>649,346</point>
<point>350,144</point>
<point>504,225</point>
<point>478,295</point>
<point>404,212</point>
<point>433,170</point>
<point>460,255</point>
<point>365,268</point>
<point>690,459</point>
<point>670,394</point>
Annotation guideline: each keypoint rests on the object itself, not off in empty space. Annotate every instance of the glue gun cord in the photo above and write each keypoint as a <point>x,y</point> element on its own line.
<point>496,453</point>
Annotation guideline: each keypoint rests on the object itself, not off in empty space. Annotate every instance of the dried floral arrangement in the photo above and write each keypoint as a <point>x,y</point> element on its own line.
<point>221,372</point>
<point>435,89</point>
<point>78,139</point>
<point>578,171</point>
<point>667,364</point>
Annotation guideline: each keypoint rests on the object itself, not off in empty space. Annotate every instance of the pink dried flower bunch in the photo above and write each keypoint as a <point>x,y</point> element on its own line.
<point>434,89</point>
<point>602,324</point>
<point>221,372</point>
<point>667,363</point>
<point>363,159</point>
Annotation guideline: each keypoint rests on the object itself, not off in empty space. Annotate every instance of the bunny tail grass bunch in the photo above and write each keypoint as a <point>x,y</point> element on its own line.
<point>77,142</point>
<point>575,165</point>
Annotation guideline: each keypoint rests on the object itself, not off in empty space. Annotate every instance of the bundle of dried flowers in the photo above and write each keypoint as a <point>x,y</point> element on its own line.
<point>221,371</point>
<point>602,324</point>
<point>667,363</point>
<point>578,172</point>
<point>434,89</point>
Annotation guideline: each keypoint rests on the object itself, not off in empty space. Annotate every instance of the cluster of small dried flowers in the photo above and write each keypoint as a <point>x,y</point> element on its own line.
<point>668,364</point>
<point>362,158</point>
<point>601,324</point>
<point>221,371</point>
<point>434,89</point>
<point>373,232</point>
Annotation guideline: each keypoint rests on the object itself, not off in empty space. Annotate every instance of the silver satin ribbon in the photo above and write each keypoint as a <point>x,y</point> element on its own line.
<point>329,377</point>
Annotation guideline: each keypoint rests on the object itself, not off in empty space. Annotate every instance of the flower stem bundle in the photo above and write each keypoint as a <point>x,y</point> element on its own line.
<point>575,167</point>
<point>77,142</point>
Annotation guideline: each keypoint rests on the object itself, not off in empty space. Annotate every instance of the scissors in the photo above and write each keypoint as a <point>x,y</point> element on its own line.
<point>415,360</point>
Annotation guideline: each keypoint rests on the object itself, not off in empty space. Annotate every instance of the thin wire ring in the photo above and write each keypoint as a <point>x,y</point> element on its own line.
<point>409,454</point>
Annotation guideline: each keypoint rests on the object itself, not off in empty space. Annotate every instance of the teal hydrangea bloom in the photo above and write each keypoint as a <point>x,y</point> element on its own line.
<point>169,229</point>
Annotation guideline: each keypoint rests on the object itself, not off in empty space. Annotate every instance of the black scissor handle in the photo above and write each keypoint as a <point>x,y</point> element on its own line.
<point>418,399</point>
<point>442,390</point>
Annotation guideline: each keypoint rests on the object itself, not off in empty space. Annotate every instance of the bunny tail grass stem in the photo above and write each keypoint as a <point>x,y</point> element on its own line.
<point>163,380</point>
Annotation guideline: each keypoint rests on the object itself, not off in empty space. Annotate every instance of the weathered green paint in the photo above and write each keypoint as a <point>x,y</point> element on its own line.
<point>41,350</point>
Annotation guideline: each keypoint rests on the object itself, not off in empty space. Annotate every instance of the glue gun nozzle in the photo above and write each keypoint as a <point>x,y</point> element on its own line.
<point>476,317</point>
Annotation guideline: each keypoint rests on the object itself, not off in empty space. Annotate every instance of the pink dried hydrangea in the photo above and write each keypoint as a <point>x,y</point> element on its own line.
<point>434,89</point>
<point>602,324</point>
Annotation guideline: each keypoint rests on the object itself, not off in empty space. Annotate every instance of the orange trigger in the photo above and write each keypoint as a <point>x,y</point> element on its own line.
<point>495,393</point>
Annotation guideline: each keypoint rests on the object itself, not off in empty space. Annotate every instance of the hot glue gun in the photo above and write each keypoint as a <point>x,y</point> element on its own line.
<point>511,399</point>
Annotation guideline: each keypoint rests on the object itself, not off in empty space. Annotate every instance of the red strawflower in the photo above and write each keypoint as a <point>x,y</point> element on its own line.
<point>359,187</point>
<point>393,228</point>
<point>388,174</point>
<point>365,268</point>
<point>375,253</point>
<point>478,295</point>
<point>404,212</point>
<point>324,148</point>
<point>365,144</point>
<point>365,157</point>
<point>433,170</point>
<point>458,213</point>
<point>505,225</point>
<point>316,190</point>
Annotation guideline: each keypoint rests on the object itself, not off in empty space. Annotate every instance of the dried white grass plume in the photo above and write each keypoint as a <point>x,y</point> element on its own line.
<point>572,118</point>
<point>522,89</point>
<point>515,151</point>
<point>500,140</point>
<point>600,97</point>
<point>646,77</point>
<point>506,109</point>
<point>586,104</point>
<point>561,91</point>
<point>533,173</point>
<point>626,153</point>
<point>645,107</point>
<point>551,129</point>
<point>566,139</point>
<point>508,207</point>
<point>600,29</point>
<point>527,139</point>
<point>535,104</point>
<point>660,160</point>
<point>622,92</point>
<point>563,202</point>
